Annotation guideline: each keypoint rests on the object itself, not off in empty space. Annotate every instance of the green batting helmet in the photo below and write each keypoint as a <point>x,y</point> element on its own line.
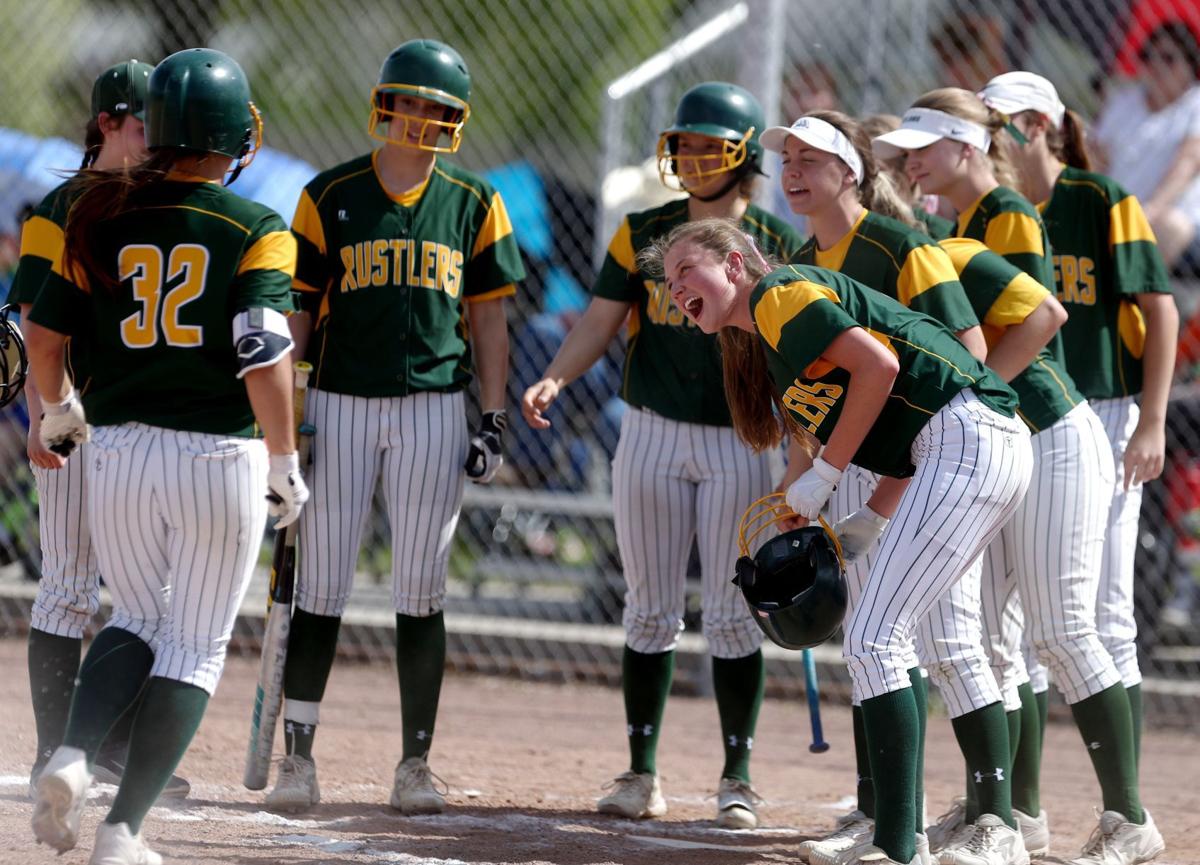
<point>795,584</point>
<point>199,99</point>
<point>121,89</point>
<point>425,69</point>
<point>719,110</point>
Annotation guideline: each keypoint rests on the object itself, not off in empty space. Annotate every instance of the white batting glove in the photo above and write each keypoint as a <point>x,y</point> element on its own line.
<point>484,457</point>
<point>859,532</point>
<point>286,490</point>
<point>809,492</point>
<point>64,425</point>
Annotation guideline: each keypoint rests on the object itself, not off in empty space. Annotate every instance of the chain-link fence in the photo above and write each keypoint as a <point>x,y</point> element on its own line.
<point>567,102</point>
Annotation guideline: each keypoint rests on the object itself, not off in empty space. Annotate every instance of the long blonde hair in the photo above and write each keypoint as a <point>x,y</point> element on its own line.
<point>753,402</point>
<point>877,192</point>
<point>968,106</point>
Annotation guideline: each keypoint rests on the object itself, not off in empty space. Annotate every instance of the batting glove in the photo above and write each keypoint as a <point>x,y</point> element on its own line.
<point>484,458</point>
<point>859,532</point>
<point>286,490</point>
<point>64,425</point>
<point>809,492</point>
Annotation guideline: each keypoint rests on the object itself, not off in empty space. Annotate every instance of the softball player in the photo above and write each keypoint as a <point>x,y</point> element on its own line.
<point>179,288</point>
<point>68,593</point>
<point>402,256</point>
<point>935,225</point>
<point>1120,340</point>
<point>679,472</point>
<point>894,391</point>
<point>951,144</point>
<point>829,174</point>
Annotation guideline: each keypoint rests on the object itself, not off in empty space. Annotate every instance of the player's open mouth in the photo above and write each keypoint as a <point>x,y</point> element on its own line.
<point>692,306</point>
<point>797,190</point>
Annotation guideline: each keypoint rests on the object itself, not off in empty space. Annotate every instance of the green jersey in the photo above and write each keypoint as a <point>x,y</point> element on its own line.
<point>672,367</point>
<point>799,311</point>
<point>1104,256</point>
<point>1004,296</point>
<point>189,255</point>
<point>903,263</point>
<point>41,246</point>
<point>387,278</point>
<point>937,227</point>
<point>1009,225</point>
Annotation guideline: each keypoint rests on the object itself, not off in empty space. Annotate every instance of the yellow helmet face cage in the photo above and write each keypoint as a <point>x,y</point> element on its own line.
<point>767,513</point>
<point>399,125</point>
<point>679,173</point>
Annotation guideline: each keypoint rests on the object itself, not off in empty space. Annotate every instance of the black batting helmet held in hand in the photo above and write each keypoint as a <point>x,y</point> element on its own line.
<point>795,584</point>
<point>14,365</point>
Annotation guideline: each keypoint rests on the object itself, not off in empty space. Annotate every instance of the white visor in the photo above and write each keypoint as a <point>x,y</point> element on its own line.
<point>819,134</point>
<point>921,127</point>
<point>1014,92</point>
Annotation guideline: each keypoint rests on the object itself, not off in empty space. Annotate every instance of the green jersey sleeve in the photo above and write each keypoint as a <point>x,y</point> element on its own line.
<point>312,273</point>
<point>929,283</point>
<point>266,268</point>
<point>494,266</point>
<point>41,245</point>
<point>799,320</point>
<point>618,278</point>
<point>1137,265</point>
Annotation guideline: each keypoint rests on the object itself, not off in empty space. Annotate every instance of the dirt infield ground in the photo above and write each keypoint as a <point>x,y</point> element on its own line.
<point>524,763</point>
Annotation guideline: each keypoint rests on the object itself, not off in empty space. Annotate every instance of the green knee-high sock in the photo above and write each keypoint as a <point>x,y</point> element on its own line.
<point>53,663</point>
<point>111,676</point>
<point>892,732</point>
<point>420,663</point>
<point>739,684</point>
<point>165,724</point>
<point>1106,726</point>
<point>862,762</point>
<point>983,739</point>
<point>1027,754</point>
<point>1135,713</point>
<point>646,681</point>
<point>1043,709</point>
<point>920,689</point>
<point>312,646</point>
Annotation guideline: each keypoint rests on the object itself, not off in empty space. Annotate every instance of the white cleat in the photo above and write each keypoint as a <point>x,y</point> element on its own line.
<point>1116,841</point>
<point>116,845</point>
<point>1035,831</point>
<point>62,791</point>
<point>852,830</point>
<point>869,854</point>
<point>413,791</point>
<point>991,842</point>
<point>948,825</point>
<point>634,795</point>
<point>296,787</point>
<point>736,801</point>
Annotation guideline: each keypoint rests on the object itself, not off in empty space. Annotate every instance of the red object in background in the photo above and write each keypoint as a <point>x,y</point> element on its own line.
<point>1183,507</point>
<point>1187,357</point>
<point>1145,17</point>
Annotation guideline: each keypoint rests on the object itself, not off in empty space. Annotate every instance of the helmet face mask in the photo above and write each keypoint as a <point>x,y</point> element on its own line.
<point>686,172</point>
<point>428,70</point>
<point>794,584</point>
<point>14,363</point>
<point>716,110</point>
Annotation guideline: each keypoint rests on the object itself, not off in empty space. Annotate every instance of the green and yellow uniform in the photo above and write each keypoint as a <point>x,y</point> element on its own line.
<point>1003,296</point>
<point>937,227</point>
<point>672,367</point>
<point>799,311</point>
<point>889,256</point>
<point>1010,226</point>
<point>387,278</point>
<point>1104,255</point>
<point>160,346</point>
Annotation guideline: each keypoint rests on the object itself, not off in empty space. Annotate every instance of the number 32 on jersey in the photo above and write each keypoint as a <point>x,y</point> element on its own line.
<point>162,292</point>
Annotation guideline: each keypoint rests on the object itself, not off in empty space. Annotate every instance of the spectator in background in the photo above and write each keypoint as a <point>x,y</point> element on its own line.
<point>1149,140</point>
<point>810,86</point>
<point>969,47</point>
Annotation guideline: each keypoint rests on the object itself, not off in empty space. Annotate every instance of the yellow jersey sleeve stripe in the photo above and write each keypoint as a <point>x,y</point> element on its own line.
<point>961,250</point>
<point>1127,223</point>
<point>924,267</point>
<point>273,251</point>
<point>1014,233</point>
<point>494,294</point>
<point>621,247</point>
<point>307,222</point>
<point>42,238</point>
<point>496,226</point>
<point>1020,297</point>
<point>783,303</point>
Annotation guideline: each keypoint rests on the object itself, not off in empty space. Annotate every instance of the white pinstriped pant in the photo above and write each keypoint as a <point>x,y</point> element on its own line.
<point>673,481</point>
<point>1114,606</point>
<point>69,590</point>
<point>972,467</point>
<point>419,442</point>
<point>1041,576</point>
<point>177,519</point>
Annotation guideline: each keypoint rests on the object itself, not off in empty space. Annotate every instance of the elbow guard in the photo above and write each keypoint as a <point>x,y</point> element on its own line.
<point>260,338</point>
